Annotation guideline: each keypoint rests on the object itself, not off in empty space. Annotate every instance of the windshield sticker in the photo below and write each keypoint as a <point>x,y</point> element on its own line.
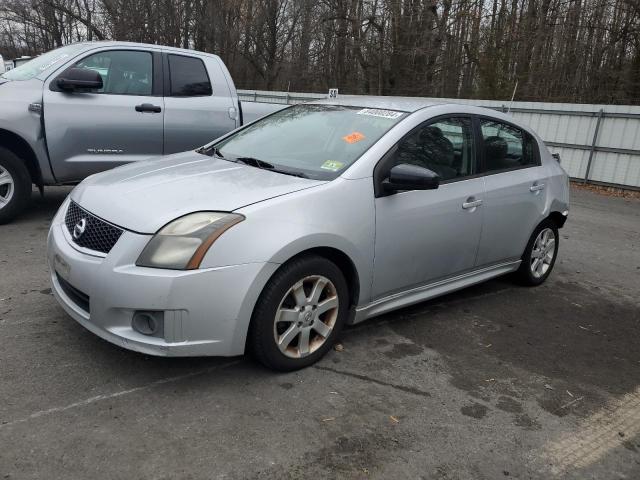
<point>375,112</point>
<point>354,137</point>
<point>332,165</point>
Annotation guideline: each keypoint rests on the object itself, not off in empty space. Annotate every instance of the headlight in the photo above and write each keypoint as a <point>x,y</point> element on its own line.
<point>182,244</point>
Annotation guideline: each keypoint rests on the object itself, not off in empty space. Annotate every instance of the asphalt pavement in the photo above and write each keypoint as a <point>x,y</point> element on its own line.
<point>496,381</point>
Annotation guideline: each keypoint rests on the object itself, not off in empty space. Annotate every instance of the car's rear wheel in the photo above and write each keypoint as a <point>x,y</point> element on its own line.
<point>299,314</point>
<point>15,186</point>
<point>540,255</point>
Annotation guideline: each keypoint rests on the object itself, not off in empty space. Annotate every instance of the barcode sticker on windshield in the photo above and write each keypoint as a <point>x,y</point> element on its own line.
<point>375,112</point>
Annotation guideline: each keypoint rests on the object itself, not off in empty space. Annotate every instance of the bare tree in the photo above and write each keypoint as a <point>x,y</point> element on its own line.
<point>556,50</point>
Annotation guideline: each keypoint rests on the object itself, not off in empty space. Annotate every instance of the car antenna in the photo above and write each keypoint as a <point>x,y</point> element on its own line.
<point>512,96</point>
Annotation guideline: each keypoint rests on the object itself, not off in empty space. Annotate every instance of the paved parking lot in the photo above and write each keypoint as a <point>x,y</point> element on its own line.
<point>493,382</point>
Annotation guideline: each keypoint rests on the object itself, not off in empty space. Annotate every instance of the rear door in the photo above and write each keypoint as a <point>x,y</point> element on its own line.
<point>198,103</point>
<point>93,131</point>
<point>516,189</point>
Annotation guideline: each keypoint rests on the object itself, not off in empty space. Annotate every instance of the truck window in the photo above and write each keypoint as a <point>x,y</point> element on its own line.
<point>188,77</point>
<point>124,72</point>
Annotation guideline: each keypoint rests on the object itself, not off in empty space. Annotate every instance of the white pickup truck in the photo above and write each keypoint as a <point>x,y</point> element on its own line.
<point>89,107</point>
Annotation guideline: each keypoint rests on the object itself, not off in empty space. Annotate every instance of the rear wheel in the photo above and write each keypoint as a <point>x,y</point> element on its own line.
<point>15,186</point>
<point>540,255</point>
<point>299,314</point>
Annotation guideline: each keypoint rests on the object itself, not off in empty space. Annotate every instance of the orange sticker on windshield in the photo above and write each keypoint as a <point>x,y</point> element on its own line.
<point>353,137</point>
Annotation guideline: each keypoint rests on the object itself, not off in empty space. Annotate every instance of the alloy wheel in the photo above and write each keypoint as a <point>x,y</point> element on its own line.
<point>544,249</point>
<point>306,316</point>
<point>7,187</point>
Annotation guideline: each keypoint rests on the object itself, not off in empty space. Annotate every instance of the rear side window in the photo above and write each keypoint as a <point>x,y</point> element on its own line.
<point>506,147</point>
<point>188,77</point>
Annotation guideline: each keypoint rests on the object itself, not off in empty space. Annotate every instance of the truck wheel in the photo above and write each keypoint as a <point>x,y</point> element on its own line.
<point>15,186</point>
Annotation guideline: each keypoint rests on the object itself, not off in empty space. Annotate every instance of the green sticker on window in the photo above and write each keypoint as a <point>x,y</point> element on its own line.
<point>332,165</point>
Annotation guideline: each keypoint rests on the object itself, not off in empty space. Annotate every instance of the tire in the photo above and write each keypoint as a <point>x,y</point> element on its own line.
<point>290,296</point>
<point>15,186</point>
<point>532,272</point>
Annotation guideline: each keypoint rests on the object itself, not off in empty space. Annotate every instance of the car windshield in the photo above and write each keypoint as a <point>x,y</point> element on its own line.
<point>312,140</point>
<point>42,63</point>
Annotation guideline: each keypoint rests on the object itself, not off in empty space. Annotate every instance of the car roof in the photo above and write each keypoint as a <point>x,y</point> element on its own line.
<point>114,43</point>
<point>413,104</point>
<point>403,104</point>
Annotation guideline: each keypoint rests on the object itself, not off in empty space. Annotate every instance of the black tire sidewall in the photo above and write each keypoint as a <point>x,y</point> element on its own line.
<point>526,276</point>
<point>21,184</point>
<point>261,340</point>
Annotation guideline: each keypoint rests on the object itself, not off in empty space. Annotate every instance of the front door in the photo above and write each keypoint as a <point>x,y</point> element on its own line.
<point>424,236</point>
<point>88,132</point>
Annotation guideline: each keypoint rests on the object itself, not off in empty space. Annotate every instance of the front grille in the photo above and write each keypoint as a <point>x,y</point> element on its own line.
<point>78,297</point>
<point>98,235</point>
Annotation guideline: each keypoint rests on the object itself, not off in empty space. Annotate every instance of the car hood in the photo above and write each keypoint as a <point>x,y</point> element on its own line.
<point>145,196</point>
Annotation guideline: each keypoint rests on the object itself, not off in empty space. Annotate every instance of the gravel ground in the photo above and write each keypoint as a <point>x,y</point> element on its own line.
<point>496,381</point>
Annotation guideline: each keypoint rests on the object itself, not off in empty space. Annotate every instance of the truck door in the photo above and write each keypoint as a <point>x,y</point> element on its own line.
<point>198,103</point>
<point>88,132</point>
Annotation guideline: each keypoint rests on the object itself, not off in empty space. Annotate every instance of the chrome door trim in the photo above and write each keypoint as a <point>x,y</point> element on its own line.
<point>425,292</point>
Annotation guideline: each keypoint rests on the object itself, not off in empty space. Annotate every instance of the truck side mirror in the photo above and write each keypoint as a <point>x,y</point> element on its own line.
<point>79,79</point>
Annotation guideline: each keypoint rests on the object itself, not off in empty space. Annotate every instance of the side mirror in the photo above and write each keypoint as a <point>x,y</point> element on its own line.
<point>79,79</point>
<point>556,156</point>
<point>410,177</point>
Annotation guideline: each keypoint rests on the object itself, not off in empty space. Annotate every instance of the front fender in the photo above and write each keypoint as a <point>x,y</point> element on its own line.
<point>338,215</point>
<point>18,121</point>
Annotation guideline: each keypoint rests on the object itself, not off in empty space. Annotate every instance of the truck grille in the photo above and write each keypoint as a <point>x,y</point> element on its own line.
<point>93,233</point>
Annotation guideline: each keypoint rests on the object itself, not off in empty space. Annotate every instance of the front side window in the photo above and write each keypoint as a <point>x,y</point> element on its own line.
<point>506,147</point>
<point>444,147</point>
<point>123,72</point>
<point>188,77</point>
<point>315,140</point>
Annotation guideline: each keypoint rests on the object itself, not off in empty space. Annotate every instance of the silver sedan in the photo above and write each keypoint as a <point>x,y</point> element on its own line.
<point>275,236</point>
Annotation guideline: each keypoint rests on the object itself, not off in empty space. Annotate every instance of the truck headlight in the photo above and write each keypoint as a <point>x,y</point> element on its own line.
<point>183,243</point>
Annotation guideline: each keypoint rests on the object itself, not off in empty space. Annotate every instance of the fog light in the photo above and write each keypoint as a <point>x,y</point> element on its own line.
<point>148,323</point>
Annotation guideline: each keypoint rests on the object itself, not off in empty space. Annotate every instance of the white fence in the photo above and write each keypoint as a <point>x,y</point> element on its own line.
<point>597,143</point>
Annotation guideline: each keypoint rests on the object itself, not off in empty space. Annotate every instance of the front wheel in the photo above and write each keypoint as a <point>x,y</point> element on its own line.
<point>540,255</point>
<point>299,314</point>
<point>15,186</point>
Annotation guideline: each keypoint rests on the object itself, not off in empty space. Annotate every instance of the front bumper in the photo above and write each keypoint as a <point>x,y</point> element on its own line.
<point>206,312</point>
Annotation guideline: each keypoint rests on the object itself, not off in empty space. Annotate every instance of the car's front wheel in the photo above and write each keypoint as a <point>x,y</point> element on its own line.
<point>540,255</point>
<point>299,314</point>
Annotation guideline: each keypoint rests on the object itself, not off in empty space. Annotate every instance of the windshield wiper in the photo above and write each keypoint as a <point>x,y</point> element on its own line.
<point>289,172</point>
<point>256,162</point>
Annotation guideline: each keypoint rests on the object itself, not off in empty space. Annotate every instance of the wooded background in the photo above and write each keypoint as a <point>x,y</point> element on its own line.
<point>557,50</point>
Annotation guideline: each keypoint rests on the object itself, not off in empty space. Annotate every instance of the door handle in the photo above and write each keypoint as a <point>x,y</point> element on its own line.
<point>148,107</point>
<point>471,203</point>
<point>536,187</point>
